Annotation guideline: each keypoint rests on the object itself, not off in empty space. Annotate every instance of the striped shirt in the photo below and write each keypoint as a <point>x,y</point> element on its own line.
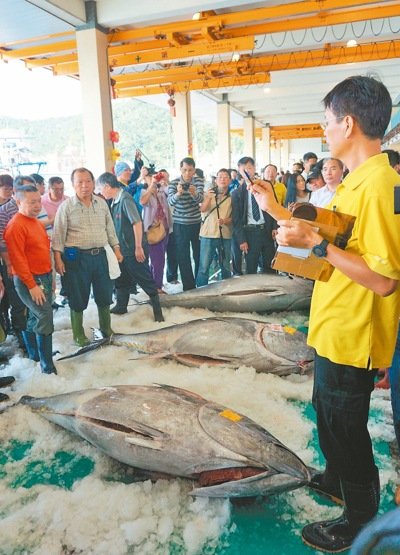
<point>186,207</point>
<point>85,227</point>
<point>7,211</point>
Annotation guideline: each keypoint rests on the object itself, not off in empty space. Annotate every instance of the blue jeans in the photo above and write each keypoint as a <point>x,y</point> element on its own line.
<point>394,376</point>
<point>40,317</point>
<point>208,246</point>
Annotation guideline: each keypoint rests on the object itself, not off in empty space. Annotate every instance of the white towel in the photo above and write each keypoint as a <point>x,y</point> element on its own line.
<point>113,265</point>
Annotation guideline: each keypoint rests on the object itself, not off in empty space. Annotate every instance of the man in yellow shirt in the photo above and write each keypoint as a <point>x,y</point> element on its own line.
<point>354,314</point>
<point>269,173</point>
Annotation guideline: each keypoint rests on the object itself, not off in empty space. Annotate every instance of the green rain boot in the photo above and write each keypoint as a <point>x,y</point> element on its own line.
<point>105,320</point>
<point>77,329</point>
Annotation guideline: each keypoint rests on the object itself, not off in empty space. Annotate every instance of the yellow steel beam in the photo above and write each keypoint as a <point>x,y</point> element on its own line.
<point>280,11</point>
<point>167,54</point>
<point>38,39</point>
<point>40,49</point>
<point>169,80</point>
<point>185,51</point>
<point>51,61</point>
<point>309,131</point>
<point>185,86</point>
<point>304,131</point>
<point>329,55</point>
<point>321,19</point>
<point>198,71</point>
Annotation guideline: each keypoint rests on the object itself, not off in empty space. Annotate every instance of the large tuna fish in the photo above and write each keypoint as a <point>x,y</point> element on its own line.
<point>173,431</point>
<point>251,293</point>
<point>220,341</point>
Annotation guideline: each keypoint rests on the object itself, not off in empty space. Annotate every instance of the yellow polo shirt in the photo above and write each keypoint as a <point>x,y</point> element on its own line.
<point>280,191</point>
<point>350,324</point>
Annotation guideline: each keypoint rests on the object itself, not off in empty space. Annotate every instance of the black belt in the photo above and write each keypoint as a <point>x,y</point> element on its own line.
<point>93,252</point>
<point>254,226</point>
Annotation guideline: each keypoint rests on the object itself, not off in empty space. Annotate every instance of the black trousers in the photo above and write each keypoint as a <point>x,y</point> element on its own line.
<point>138,272</point>
<point>341,398</point>
<point>12,300</point>
<point>172,261</point>
<point>186,236</point>
<point>261,247</point>
<point>236,257</point>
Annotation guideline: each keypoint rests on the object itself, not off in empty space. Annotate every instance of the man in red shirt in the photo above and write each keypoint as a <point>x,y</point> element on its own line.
<point>29,251</point>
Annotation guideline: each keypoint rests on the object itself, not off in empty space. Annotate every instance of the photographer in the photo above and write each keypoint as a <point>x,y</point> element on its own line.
<point>216,229</point>
<point>185,195</point>
<point>157,224</point>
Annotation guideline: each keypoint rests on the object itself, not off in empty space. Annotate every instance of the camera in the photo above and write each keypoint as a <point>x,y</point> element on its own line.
<point>159,176</point>
<point>185,186</point>
<point>214,190</point>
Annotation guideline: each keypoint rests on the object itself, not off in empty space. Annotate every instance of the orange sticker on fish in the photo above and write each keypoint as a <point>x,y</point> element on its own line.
<point>289,329</point>
<point>230,415</point>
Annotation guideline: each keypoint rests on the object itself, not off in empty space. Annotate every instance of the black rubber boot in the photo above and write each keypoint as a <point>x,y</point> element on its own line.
<point>121,306</point>
<point>327,484</point>
<point>155,303</point>
<point>335,536</point>
<point>31,345</point>
<point>45,348</point>
<point>397,432</point>
<point>4,397</point>
<point>5,381</point>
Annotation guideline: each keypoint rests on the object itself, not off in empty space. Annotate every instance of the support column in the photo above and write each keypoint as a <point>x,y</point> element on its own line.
<point>249,136</point>
<point>224,134</point>
<point>284,154</point>
<point>94,75</point>
<point>182,127</point>
<point>265,144</point>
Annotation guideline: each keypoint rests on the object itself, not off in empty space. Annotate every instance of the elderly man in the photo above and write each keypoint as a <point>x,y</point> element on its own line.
<point>82,228</point>
<point>29,251</point>
<point>129,228</point>
<point>332,171</point>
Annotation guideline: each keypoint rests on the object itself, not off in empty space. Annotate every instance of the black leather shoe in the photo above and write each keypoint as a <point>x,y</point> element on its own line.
<point>118,310</point>
<point>330,536</point>
<point>329,488</point>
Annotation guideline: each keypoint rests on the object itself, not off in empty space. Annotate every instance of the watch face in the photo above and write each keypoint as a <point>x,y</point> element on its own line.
<point>320,250</point>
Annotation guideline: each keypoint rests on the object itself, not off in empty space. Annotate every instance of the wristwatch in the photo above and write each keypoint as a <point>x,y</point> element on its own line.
<point>320,250</point>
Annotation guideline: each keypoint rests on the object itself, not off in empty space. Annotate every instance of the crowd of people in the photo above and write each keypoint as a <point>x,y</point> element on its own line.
<point>157,228</point>
<point>135,225</point>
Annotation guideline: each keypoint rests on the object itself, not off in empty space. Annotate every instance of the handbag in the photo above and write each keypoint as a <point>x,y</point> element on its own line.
<point>156,232</point>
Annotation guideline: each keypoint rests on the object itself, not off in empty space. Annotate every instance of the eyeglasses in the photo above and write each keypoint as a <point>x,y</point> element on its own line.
<point>325,124</point>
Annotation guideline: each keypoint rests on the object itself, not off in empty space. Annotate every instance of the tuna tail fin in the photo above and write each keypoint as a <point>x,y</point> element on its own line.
<point>93,346</point>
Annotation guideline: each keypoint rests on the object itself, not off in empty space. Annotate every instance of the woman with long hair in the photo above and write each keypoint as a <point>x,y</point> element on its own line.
<point>296,190</point>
